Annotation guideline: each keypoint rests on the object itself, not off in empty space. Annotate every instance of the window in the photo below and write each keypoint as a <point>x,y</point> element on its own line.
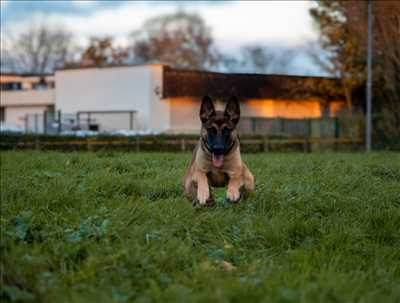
<point>11,86</point>
<point>41,84</point>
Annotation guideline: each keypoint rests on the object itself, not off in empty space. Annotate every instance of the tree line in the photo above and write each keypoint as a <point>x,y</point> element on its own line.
<point>343,36</point>
<point>181,40</point>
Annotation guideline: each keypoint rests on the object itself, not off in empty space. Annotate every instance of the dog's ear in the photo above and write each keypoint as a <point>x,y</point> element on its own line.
<point>207,109</point>
<point>232,110</point>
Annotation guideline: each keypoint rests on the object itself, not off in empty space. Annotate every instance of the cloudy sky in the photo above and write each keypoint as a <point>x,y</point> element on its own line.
<point>275,24</point>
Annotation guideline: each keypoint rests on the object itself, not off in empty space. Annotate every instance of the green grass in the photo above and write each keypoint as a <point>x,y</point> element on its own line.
<point>115,227</point>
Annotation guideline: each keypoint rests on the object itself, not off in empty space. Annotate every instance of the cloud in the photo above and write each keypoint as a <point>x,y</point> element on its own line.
<point>275,24</point>
<point>114,21</point>
<point>284,23</point>
<point>3,6</point>
<point>84,2</point>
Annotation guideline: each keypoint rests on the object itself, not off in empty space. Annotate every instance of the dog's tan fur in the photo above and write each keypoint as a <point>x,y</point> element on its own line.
<point>201,174</point>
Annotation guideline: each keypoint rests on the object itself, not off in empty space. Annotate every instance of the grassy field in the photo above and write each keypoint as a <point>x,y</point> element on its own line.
<point>114,227</point>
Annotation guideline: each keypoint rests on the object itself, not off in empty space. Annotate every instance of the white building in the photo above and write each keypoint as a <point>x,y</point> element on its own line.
<point>157,97</point>
<point>25,95</point>
<point>108,92</point>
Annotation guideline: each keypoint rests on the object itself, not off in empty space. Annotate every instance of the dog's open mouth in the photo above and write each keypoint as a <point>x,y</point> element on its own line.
<point>217,160</point>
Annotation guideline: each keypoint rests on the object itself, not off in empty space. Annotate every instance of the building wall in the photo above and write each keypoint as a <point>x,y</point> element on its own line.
<point>108,122</point>
<point>10,78</point>
<point>114,88</point>
<point>19,103</point>
<point>27,97</point>
<point>184,115</point>
<point>160,118</point>
<point>16,115</point>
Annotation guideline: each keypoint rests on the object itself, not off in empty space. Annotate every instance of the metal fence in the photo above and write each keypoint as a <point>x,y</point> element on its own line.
<point>311,134</point>
<point>340,127</point>
<point>35,123</point>
<point>98,121</point>
<point>111,120</point>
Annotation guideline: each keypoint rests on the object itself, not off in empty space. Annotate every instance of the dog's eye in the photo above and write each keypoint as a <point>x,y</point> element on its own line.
<point>212,131</point>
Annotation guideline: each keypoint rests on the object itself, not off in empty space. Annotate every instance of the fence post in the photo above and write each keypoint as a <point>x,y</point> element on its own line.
<point>89,118</point>
<point>306,127</point>
<point>265,145</point>
<point>36,123</point>
<point>88,144</point>
<point>59,126</point>
<point>307,135</point>
<point>280,126</point>
<point>37,143</point>
<point>45,122</point>
<point>78,123</point>
<point>253,125</point>
<point>337,132</point>
<point>130,120</point>
<point>183,144</point>
<point>137,144</point>
<point>26,123</point>
<point>305,145</point>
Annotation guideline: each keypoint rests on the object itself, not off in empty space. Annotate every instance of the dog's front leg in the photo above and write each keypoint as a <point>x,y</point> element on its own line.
<point>234,185</point>
<point>203,190</point>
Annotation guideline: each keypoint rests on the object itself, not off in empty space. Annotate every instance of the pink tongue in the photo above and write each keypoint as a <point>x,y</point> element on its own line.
<point>218,160</point>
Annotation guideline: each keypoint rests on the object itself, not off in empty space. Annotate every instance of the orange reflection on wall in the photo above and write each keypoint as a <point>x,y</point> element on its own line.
<point>184,113</point>
<point>258,108</point>
<point>336,108</point>
<point>186,109</point>
<point>291,109</point>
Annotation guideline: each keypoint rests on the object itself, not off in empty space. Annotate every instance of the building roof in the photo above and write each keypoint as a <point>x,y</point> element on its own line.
<point>106,66</point>
<point>189,83</point>
<point>27,74</point>
<point>196,83</point>
<point>16,77</point>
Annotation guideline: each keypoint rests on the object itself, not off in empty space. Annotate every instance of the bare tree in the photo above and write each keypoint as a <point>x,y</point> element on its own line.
<point>180,40</point>
<point>102,52</point>
<point>38,49</point>
<point>343,35</point>
<point>231,63</point>
<point>386,41</point>
<point>256,58</point>
<point>259,59</point>
<point>344,58</point>
<point>343,28</point>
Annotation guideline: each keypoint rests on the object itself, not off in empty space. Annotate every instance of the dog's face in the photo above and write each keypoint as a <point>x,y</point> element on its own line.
<point>218,131</point>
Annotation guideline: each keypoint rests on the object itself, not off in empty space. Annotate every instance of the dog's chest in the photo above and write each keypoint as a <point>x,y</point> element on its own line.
<point>217,178</point>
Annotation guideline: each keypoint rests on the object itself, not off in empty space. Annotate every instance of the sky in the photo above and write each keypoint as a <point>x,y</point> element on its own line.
<point>274,24</point>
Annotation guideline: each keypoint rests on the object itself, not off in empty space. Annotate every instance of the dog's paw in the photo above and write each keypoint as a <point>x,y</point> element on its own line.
<point>232,196</point>
<point>209,202</point>
<point>196,203</point>
<point>203,198</point>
